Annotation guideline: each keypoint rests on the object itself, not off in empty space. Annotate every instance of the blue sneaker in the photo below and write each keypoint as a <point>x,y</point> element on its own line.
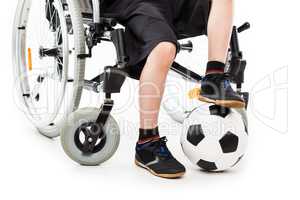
<point>155,157</point>
<point>216,89</point>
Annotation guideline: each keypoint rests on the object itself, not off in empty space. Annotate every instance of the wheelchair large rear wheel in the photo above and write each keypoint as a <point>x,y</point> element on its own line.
<point>48,36</point>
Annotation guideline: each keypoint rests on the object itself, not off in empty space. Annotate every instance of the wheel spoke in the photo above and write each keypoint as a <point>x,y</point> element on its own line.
<point>59,60</point>
<point>86,146</point>
<point>86,132</point>
<point>36,90</point>
<point>90,141</point>
<point>59,36</point>
<point>93,140</point>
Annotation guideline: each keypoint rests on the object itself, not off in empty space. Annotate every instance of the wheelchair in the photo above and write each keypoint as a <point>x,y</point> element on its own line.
<point>51,41</point>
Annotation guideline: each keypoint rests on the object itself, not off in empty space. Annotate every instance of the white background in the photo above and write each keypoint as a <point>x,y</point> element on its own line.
<point>34,167</point>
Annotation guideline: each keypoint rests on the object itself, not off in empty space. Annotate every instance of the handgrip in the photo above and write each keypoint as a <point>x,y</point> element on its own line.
<point>244,27</point>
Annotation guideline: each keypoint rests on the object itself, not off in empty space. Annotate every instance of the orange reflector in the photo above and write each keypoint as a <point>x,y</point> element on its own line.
<point>29,59</point>
<point>194,93</point>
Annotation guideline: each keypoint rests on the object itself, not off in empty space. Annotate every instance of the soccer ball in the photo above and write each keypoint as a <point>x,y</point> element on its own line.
<point>214,138</point>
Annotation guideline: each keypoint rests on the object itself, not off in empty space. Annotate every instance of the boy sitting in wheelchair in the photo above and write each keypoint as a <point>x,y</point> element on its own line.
<point>152,31</point>
<point>146,51</point>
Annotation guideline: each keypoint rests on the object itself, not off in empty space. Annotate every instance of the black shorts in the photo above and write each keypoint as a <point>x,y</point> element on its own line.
<point>149,22</point>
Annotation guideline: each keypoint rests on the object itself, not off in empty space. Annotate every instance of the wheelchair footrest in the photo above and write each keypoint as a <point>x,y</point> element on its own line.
<point>236,70</point>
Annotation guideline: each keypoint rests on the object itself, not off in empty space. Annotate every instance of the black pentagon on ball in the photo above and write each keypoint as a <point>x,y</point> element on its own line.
<point>195,134</point>
<point>209,166</point>
<point>229,142</point>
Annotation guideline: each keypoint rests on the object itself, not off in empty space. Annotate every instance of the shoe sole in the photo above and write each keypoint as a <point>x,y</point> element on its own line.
<point>168,176</point>
<point>224,103</point>
<point>196,94</point>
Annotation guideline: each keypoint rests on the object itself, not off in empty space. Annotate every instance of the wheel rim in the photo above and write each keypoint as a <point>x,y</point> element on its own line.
<point>42,59</point>
<point>90,138</point>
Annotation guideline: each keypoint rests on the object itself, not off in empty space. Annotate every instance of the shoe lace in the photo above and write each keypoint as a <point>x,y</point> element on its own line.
<point>161,149</point>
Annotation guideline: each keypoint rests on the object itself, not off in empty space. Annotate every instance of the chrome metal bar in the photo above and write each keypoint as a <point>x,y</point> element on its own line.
<point>93,86</point>
<point>187,46</point>
<point>185,73</point>
<point>96,11</point>
<point>87,21</point>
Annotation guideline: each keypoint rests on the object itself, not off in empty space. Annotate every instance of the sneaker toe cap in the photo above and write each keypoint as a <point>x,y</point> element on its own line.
<point>168,167</point>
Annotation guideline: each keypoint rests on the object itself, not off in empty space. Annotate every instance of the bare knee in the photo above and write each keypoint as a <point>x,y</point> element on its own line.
<point>167,50</point>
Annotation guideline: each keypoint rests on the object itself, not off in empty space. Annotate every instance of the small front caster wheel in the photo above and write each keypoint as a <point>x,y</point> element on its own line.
<point>86,142</point>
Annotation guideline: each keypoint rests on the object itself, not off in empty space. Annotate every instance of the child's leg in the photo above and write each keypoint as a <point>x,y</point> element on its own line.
<point>152,83</point>
<point>219,32</point>
<point>215,86</point>
<point>152,152</point>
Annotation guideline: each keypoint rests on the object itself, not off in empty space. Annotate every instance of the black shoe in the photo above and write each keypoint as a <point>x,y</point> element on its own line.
<point>216,89</point>
<point>157,159</point>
